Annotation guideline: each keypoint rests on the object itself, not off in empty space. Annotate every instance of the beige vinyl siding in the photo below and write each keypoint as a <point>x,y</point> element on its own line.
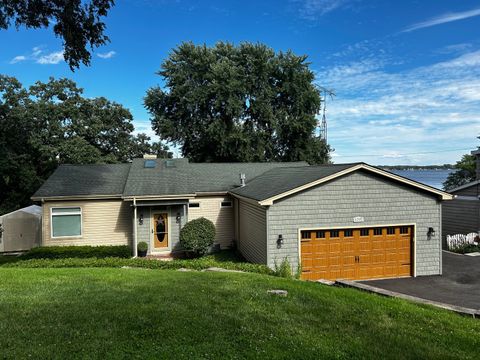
<point>104,222</point>
<point>252,241</point>
<point>222,217</point>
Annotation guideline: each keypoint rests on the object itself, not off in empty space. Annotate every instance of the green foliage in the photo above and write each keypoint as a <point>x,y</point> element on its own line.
<point>464,173</point>
<point>142,246</point>
<point>225,259</point>
<point>284,269</point>
<point>78,23</point>
<point>238,103</point>
<point>465,248</point>
<point>198,236</point>
<point>79,252</point>
<point>52,123</point>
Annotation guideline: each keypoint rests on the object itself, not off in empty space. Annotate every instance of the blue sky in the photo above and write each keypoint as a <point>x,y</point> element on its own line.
<point>406,73</point>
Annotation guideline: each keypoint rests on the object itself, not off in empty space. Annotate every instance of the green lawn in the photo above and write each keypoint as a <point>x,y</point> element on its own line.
<point>142,313</point>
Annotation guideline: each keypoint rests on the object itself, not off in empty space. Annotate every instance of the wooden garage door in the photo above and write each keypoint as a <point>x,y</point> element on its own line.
<point>356,254</point>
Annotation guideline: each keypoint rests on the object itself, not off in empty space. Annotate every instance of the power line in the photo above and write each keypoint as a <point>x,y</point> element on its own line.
<point>416,153</point>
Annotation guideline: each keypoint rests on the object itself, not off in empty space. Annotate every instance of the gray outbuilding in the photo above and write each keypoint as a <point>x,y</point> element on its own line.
<point>21,230</point>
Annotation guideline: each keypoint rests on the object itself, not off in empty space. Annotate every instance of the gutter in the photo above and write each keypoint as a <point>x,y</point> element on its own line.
<point>135,254</point>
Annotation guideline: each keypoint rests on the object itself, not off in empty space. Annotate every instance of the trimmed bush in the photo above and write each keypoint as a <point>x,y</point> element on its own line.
<point>142,246</point>
<point>198,236</point>
<point>81,252</point>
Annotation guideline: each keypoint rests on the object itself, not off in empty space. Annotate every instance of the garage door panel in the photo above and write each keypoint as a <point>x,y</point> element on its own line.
<point>354,257</point>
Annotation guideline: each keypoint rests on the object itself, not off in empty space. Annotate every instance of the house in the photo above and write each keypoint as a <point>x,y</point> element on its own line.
<point>351,221</point>
<point>462,215</point>
<point>20,230</point>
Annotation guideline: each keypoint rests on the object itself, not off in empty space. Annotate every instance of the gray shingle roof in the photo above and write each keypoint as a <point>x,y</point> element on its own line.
<point>280,180</point>
<point>189,178</point>
<point>77,180</point>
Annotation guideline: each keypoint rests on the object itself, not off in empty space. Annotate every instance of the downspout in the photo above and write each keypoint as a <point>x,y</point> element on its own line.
<point>134,228</point>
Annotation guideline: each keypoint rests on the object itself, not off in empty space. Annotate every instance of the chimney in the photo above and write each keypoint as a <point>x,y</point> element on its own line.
<point>242,180</point>
<point>149,156</point>
<point>476,153</point>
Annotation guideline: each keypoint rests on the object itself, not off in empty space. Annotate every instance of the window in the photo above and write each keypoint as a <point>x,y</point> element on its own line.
<point>149,164</point>
<point>66,222</point>
<point>334,233</point>
<point>306,234</point>
<point>320,234</point>
<point>347,233</point>
<point>194,205</point>
<point>364,232</point>
<point>226,204</point>
<point>390,231</point>
<point>404,230</point>
<point>377,231</point>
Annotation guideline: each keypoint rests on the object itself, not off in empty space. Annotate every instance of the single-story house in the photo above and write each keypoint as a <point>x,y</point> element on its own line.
<point>462,214</point>
<point>351,221</point>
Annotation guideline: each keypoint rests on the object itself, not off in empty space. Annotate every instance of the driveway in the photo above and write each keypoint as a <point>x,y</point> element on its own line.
<point>459,285</point>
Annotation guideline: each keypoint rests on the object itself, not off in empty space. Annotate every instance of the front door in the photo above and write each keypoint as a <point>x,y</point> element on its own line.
<point>160,231</point>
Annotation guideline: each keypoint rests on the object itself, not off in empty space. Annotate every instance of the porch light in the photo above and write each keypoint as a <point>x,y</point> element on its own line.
<point>431,232</point>
<point>178,218</point>
<point>140,219</point>
<point>280,241</point>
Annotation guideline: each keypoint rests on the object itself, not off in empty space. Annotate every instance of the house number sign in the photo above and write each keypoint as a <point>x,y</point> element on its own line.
<point>358,219</point>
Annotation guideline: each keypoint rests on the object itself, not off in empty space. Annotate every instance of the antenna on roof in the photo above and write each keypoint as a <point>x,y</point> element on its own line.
<point>322,124</point>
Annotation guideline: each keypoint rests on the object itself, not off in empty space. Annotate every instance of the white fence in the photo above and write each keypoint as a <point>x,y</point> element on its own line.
<point>461,240</point>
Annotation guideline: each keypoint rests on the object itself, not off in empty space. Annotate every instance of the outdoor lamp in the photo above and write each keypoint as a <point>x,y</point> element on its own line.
<point>431,232</point>
<point>280,241</point>
<point>140,219</point>
<point>178,218</point>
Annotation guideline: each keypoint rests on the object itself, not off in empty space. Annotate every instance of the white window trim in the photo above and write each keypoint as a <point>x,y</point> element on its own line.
<point>228,206</point>
<point>66,213</point>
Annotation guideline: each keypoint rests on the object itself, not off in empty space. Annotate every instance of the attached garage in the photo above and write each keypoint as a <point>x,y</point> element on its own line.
<point>345,221</point>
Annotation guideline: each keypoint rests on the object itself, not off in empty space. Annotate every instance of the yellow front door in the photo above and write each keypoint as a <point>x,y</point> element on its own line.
<point>160,230</point>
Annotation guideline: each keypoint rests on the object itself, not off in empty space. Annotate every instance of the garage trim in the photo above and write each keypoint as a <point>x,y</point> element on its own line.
<point>310,228</point>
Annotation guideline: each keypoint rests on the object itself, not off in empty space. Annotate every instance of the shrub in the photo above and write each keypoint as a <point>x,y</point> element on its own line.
<point>64,252</point>
<point>284,270</point>
<point>142,246</point>
<point>198,236</point>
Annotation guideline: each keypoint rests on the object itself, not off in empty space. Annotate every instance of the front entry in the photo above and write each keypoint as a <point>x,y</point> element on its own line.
<point>160,231</point>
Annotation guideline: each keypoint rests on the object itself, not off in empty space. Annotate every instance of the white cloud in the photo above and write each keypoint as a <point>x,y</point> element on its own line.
<point>17,59</point>
<point>401,117</point>
<point>52,58</point>
<point>107,55</point>
<point>311,9</point>
<point>443,19</point>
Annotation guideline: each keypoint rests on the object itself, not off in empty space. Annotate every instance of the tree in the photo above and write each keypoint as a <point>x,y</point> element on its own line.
<point>244,103</point>
<point>78,23</point>
<point>52,123</point>
<point>464,173</point>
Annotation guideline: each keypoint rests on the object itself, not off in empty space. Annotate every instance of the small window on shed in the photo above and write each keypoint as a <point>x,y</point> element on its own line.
<point>194,205</point>
<point>226,204</point>
<point>377,231</point>
<point>347,233</point>
<point>320,234</point>
<point>334,233</point>
<point>404,230</point>
<point>364,232</point>
<point>390,231</point>
<point>306,234</point>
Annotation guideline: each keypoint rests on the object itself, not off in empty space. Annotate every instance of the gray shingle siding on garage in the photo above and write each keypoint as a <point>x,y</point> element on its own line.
<point>252,241</point>
<point>336,203</point>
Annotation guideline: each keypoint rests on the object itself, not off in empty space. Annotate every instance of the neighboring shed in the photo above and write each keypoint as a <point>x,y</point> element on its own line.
<point>21,229</point>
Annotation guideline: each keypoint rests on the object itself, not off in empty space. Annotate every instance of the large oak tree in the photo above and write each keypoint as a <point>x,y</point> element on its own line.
<point>53,123</point>
<point>238,103</point>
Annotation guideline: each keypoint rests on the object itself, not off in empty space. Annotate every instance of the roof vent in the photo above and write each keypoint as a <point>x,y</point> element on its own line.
<point>149,156</point>
<point>149,164</point>
<point>242,180</point>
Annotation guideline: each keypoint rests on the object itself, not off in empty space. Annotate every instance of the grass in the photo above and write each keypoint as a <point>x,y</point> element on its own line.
<point>139,313</point>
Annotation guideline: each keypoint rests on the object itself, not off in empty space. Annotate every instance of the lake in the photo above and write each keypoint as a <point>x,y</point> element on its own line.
<point>433,178</point>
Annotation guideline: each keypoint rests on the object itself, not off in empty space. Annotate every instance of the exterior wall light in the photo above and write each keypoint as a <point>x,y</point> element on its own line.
<point>140,219</point>
<point>178,218</point>
<point>431,232</point>
<point>280,241</point>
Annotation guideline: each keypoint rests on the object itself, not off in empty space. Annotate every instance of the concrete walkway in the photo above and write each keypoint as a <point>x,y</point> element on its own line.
<point>459,285</point>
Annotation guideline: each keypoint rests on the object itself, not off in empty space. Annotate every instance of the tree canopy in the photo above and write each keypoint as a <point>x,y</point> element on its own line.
<point>78,23</point>
<point>53,123</point>
<point>463,174</point>
<point>238,103</point>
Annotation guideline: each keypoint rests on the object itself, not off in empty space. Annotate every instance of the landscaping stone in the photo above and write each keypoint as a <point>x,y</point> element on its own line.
<point>473,254</point>
<point>326,282</point>
<point>217,269</point>
<point>282,293</point>
<point>185,270</point>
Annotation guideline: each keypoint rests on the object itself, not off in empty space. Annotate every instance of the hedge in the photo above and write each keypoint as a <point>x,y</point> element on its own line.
<point>81,252</point>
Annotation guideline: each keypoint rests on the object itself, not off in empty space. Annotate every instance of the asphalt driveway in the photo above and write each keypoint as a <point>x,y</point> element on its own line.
<point>459,285</point>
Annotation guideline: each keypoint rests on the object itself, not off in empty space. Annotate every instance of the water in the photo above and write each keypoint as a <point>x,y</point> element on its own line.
<point>433,178</point>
